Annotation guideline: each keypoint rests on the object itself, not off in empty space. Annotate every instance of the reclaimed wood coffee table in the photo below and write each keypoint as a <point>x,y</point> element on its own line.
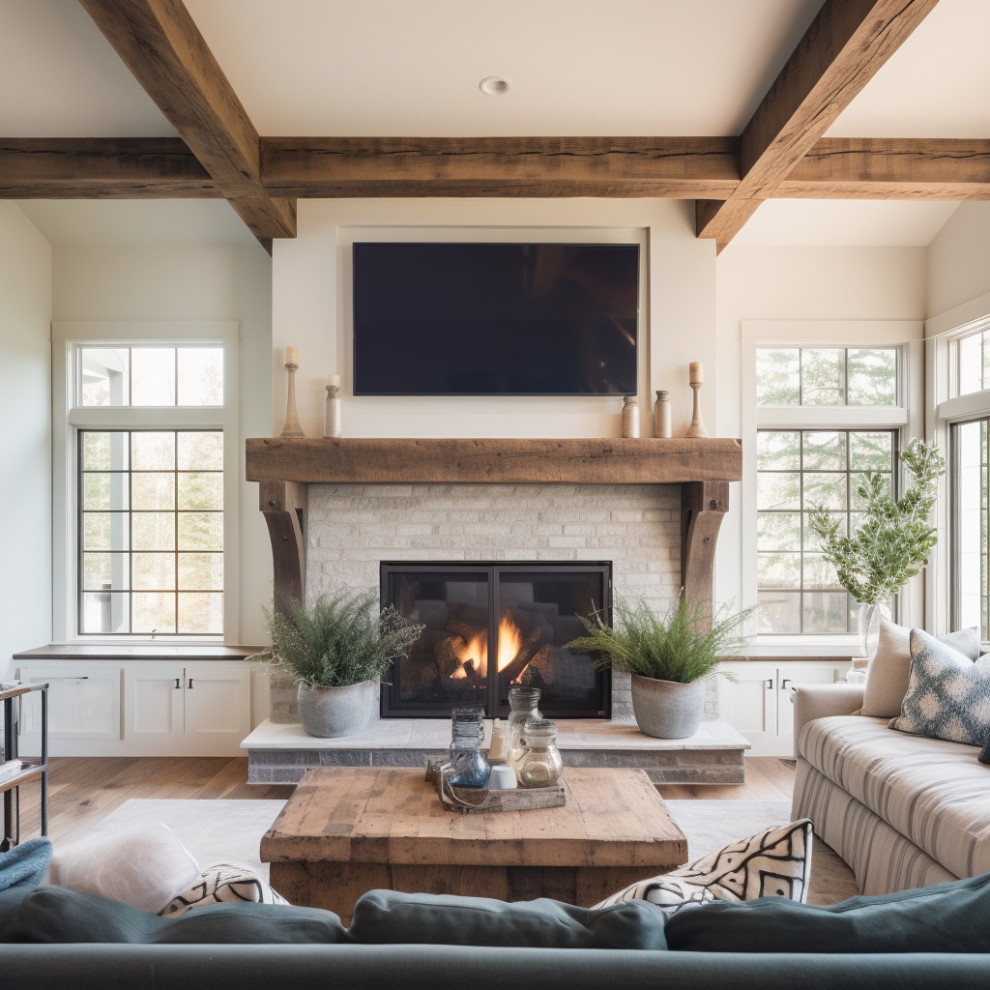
<point>345,831</point>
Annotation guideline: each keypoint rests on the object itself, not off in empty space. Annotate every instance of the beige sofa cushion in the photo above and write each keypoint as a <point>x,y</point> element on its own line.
<point>887,676</point>
<point>933,792</point>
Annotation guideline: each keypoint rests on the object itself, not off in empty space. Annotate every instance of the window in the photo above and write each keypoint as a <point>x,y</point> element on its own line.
<point>146,460</point>
<point>971,489</point>
<point>973,363</point>
<point>963,413</point>
<point>798,591</point>
<point>824,416</point>
<point>151,532</point>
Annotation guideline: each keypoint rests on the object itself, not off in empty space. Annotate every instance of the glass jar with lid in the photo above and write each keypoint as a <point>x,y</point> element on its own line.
<point>523,702</point>
<point>470,768</point>
<point>540,765</point>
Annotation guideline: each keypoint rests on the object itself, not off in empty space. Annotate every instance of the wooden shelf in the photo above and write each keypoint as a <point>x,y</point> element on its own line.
<point>497,461</point>
<point>33,771</point>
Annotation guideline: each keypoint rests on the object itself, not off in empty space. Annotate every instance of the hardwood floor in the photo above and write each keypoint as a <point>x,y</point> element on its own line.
<point>83,790</point>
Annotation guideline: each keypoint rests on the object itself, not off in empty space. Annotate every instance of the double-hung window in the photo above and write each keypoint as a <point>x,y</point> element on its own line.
<point>822,414</point>
<point>962,379</point>
<point>146,501</point>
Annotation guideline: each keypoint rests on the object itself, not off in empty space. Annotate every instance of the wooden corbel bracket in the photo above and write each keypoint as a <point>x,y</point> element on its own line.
<point>703,504</point>
<point>284,506</point>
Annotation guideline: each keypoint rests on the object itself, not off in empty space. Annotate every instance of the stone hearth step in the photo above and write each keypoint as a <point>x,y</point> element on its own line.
<point>280,753</point>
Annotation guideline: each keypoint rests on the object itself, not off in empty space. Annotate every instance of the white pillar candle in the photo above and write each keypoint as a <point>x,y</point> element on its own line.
<point>695,372</point>
<point>291,355</point>
<point>333,380</point>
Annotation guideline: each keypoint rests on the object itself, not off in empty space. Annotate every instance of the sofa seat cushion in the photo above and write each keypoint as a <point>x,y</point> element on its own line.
<point>949,917</point>
<point>933,792</point>
<point>383,916</point>
<point>56,914</point>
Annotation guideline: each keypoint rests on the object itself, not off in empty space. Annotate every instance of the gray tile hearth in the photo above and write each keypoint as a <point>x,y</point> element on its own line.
<point>280,753</point>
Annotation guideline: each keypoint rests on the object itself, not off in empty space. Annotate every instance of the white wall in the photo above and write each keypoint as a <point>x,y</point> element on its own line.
<point>957,262</point>
<point>193,282</point>
<point>798,283</point>
<point>310,311</point>
<point>25,441</point>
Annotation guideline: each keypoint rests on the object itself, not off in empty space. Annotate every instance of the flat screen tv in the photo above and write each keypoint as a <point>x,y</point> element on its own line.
<point>495,319</point>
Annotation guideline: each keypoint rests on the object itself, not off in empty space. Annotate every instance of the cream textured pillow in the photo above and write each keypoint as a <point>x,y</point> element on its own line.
<point>772,863</point>
<point>144,866</point>
<point>887,675</point>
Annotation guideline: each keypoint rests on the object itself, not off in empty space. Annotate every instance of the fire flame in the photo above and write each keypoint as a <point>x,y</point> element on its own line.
<point>510,641</point>
<point>475,650</point>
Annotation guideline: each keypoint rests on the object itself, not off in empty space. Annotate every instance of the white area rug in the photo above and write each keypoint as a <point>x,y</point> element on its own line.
<point>231,831</point>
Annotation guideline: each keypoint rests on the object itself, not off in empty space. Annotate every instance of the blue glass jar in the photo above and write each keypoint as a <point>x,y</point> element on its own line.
<point>470,768</point>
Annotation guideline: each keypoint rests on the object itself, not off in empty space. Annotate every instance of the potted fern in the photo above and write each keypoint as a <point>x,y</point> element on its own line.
<point>668,656</point>
<point>338,649</point>
<point>894,541</point>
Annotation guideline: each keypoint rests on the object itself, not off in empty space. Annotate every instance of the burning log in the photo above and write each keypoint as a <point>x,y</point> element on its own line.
<point>465,630</point>
<point>541,668</point>
<point>530,647</point>
<point>446,656</point>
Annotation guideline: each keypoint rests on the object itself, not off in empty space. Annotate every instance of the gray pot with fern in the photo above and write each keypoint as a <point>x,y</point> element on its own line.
<point>338,650</point>
<point>669,657</point>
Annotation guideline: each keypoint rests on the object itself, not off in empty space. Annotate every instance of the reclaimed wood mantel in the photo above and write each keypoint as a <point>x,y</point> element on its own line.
<point>285,467</point>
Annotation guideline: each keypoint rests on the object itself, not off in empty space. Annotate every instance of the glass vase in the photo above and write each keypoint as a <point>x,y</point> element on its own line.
<point>869,627</point>
<point>540,765</point>
<point>470,768</point>
<point>523,702</point>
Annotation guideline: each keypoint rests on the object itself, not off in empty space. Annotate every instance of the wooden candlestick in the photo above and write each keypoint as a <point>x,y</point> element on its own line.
<point>697,427</point>
<point>291,427</point>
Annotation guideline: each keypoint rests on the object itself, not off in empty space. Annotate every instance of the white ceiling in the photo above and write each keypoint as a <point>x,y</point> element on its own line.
<point>578,67</point>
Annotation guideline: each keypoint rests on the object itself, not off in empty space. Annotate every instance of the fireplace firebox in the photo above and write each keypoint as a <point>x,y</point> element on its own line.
<point>489,626</point>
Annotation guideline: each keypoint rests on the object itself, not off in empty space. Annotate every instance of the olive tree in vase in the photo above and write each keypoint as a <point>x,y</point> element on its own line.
<point>893,542</point>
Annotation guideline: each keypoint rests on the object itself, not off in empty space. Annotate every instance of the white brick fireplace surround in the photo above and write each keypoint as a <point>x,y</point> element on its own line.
<point>333,536</point>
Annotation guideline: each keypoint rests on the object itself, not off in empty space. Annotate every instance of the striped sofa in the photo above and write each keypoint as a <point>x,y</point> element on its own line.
<point>902,810</point>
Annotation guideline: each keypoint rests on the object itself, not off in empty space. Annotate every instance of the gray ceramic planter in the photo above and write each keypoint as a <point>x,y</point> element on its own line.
<point>668,709</point>
<point>336,711</point>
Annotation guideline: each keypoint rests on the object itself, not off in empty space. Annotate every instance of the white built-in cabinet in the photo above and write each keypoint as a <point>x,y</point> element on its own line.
<point>756,702</point>
<point>138,707</point>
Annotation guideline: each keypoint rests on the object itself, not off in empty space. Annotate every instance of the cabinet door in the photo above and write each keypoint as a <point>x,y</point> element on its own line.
<point>153,708</point>
<point>218,708</point>
<point>792,675</point>
<point>83,709</point>
<point>748,701</point>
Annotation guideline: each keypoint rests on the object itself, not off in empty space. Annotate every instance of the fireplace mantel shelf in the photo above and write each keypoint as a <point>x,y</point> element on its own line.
<point>285,467</point>
<point>499,461</point>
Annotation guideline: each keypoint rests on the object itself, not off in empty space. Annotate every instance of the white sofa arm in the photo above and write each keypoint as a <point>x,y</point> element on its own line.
<point>820,700</point>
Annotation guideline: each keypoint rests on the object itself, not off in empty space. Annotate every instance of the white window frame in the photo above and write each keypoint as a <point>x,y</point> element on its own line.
<point>906,418</point>
<point>944,409</point>
<point>67,337</point>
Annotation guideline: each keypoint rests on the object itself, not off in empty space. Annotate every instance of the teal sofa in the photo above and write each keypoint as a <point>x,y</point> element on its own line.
<point>927,939</point>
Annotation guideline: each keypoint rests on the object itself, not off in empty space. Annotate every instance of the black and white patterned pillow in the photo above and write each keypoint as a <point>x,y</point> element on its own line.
<point>223,883</point>
<point>776,862</point>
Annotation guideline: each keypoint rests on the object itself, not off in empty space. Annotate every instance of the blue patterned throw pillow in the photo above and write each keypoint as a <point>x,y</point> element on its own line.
<point>948,694</point>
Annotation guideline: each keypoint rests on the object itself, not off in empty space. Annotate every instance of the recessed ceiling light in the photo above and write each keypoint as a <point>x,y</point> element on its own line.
<point>494,86</point>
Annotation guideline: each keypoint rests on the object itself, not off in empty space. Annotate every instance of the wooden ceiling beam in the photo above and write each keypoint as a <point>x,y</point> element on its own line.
<point>161,45</point>
<point>104,168</point>
<point>678,168</point>
<point>848,41</point>
<point>885,168</point>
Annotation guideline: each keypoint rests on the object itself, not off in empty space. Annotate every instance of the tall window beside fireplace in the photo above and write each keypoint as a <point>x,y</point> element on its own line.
<point>489,626</point>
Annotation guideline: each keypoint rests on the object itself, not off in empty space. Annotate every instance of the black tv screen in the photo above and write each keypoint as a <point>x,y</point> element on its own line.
<point>495,319</point>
